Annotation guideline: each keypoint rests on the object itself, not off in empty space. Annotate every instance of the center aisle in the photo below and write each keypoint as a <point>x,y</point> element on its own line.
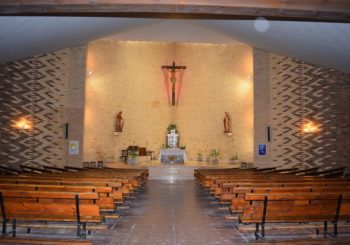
<point>172,213</point>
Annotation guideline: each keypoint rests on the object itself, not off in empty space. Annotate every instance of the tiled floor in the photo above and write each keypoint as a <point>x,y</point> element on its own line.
<point>172,213</point>
<point>181,213</point>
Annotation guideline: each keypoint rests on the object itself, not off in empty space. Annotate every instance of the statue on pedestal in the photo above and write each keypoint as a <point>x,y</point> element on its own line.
<point>119,123</point>
<point>227,123</point>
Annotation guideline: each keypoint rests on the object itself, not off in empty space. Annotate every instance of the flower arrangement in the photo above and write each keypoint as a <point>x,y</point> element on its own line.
<point>172,126</point>
<point>133,154</point>
<point>199,157</point>
<point>234,157</point>
<point>215,155</point>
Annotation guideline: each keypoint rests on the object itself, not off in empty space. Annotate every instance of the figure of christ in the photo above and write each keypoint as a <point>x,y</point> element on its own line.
<point>172,69</point>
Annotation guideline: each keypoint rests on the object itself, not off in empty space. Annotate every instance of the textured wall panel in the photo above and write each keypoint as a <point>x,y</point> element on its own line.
<point>302,92</point>
<point>35,88</point>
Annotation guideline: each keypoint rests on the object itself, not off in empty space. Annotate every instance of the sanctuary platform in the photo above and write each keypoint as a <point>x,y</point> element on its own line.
<point>172,172</point>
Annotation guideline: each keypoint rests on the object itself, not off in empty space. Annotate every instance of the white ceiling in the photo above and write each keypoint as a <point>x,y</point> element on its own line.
<point>325,44</point>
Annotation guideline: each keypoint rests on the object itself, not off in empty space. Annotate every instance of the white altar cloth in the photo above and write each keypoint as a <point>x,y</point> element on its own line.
<point>178,155</point>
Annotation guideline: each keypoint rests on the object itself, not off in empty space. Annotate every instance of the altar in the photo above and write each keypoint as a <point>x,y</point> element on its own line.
<point>172,155</point>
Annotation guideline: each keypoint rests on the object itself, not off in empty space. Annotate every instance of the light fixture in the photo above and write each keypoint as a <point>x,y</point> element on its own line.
<point>309,127</point>
<point>23,124</point>
<point>261,24</point>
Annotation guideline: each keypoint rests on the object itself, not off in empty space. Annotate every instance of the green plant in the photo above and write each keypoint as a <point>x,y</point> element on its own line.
<point>133,154</point>
<point>172,126</point>
<point>199,156</point>
<point>234,157</point>
<point>183,147</point>
<point>216,154</point>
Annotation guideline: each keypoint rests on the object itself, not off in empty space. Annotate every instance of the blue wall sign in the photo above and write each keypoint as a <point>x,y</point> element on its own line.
<point>262,150</point>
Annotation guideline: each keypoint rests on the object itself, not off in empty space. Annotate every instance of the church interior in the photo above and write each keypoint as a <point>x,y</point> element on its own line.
<point>174,122</point>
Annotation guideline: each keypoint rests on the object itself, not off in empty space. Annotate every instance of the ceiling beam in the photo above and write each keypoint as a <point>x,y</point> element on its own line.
<point>315,10</point>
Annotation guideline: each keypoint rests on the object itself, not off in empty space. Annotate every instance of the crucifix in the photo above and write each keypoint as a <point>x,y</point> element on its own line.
<point>172,69</point>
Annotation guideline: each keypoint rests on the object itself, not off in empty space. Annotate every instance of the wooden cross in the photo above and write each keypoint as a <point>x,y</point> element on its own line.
<point>172,70</point>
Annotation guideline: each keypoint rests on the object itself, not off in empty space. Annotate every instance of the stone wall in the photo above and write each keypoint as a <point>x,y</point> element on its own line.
<point>40,89</point>
<point>127,76</point>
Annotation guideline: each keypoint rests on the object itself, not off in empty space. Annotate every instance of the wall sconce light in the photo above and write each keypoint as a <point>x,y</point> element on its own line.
<point>23,124</point>
<point>310,127</point>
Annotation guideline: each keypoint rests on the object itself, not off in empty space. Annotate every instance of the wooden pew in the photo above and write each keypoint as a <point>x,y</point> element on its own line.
<point>122,181</point>
<point>31,241</point>
<point>105,201</point>
<point>306,171</point>
<point>49,195</point>
<point>227,190</point>
<point>8,171</point>
<point>57,169</point>
<point>292,195</point>
<point>73,169</point>
<point>295,208</point>
<point>329,173</point>
<point>118,191</point>
<point>129,181</point>
<point>266,170</point>
<point>39,206</point>
<point>238,201</point>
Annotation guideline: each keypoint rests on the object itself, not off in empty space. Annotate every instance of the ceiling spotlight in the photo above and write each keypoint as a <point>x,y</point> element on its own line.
<point>261,24</point>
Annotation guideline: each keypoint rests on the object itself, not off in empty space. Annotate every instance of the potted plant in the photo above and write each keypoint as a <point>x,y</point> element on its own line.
<point>208,156</point>
<point>172,126</point>
<point>199,157</point>
<point>235,159</point>
<point>215,155</point>
<point>132,157</point>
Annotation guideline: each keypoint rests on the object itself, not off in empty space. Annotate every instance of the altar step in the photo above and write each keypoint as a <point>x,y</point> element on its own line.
<point>171,172</point>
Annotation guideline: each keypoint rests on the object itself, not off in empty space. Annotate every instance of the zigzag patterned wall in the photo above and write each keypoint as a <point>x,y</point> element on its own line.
<point>35,88</point>
<point>301,92</point>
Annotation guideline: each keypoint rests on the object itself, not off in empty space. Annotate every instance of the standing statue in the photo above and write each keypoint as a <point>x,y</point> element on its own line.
<point>227,123</point>
<point>120,122</point>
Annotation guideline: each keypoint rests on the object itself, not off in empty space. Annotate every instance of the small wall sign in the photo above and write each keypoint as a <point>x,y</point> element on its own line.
<point>262,150</point>
<point>73,147</point>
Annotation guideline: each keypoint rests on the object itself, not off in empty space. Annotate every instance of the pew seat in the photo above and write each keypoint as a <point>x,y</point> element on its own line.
<point>29,206</point>
<point>295,208</point>
<point>31,241</point>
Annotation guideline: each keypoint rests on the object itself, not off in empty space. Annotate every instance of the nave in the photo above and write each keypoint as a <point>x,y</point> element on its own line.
<point>184,212</point>
<point>172,213</point>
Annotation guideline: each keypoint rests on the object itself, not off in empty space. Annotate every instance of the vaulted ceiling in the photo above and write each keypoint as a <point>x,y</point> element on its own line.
<point>325,43</point>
